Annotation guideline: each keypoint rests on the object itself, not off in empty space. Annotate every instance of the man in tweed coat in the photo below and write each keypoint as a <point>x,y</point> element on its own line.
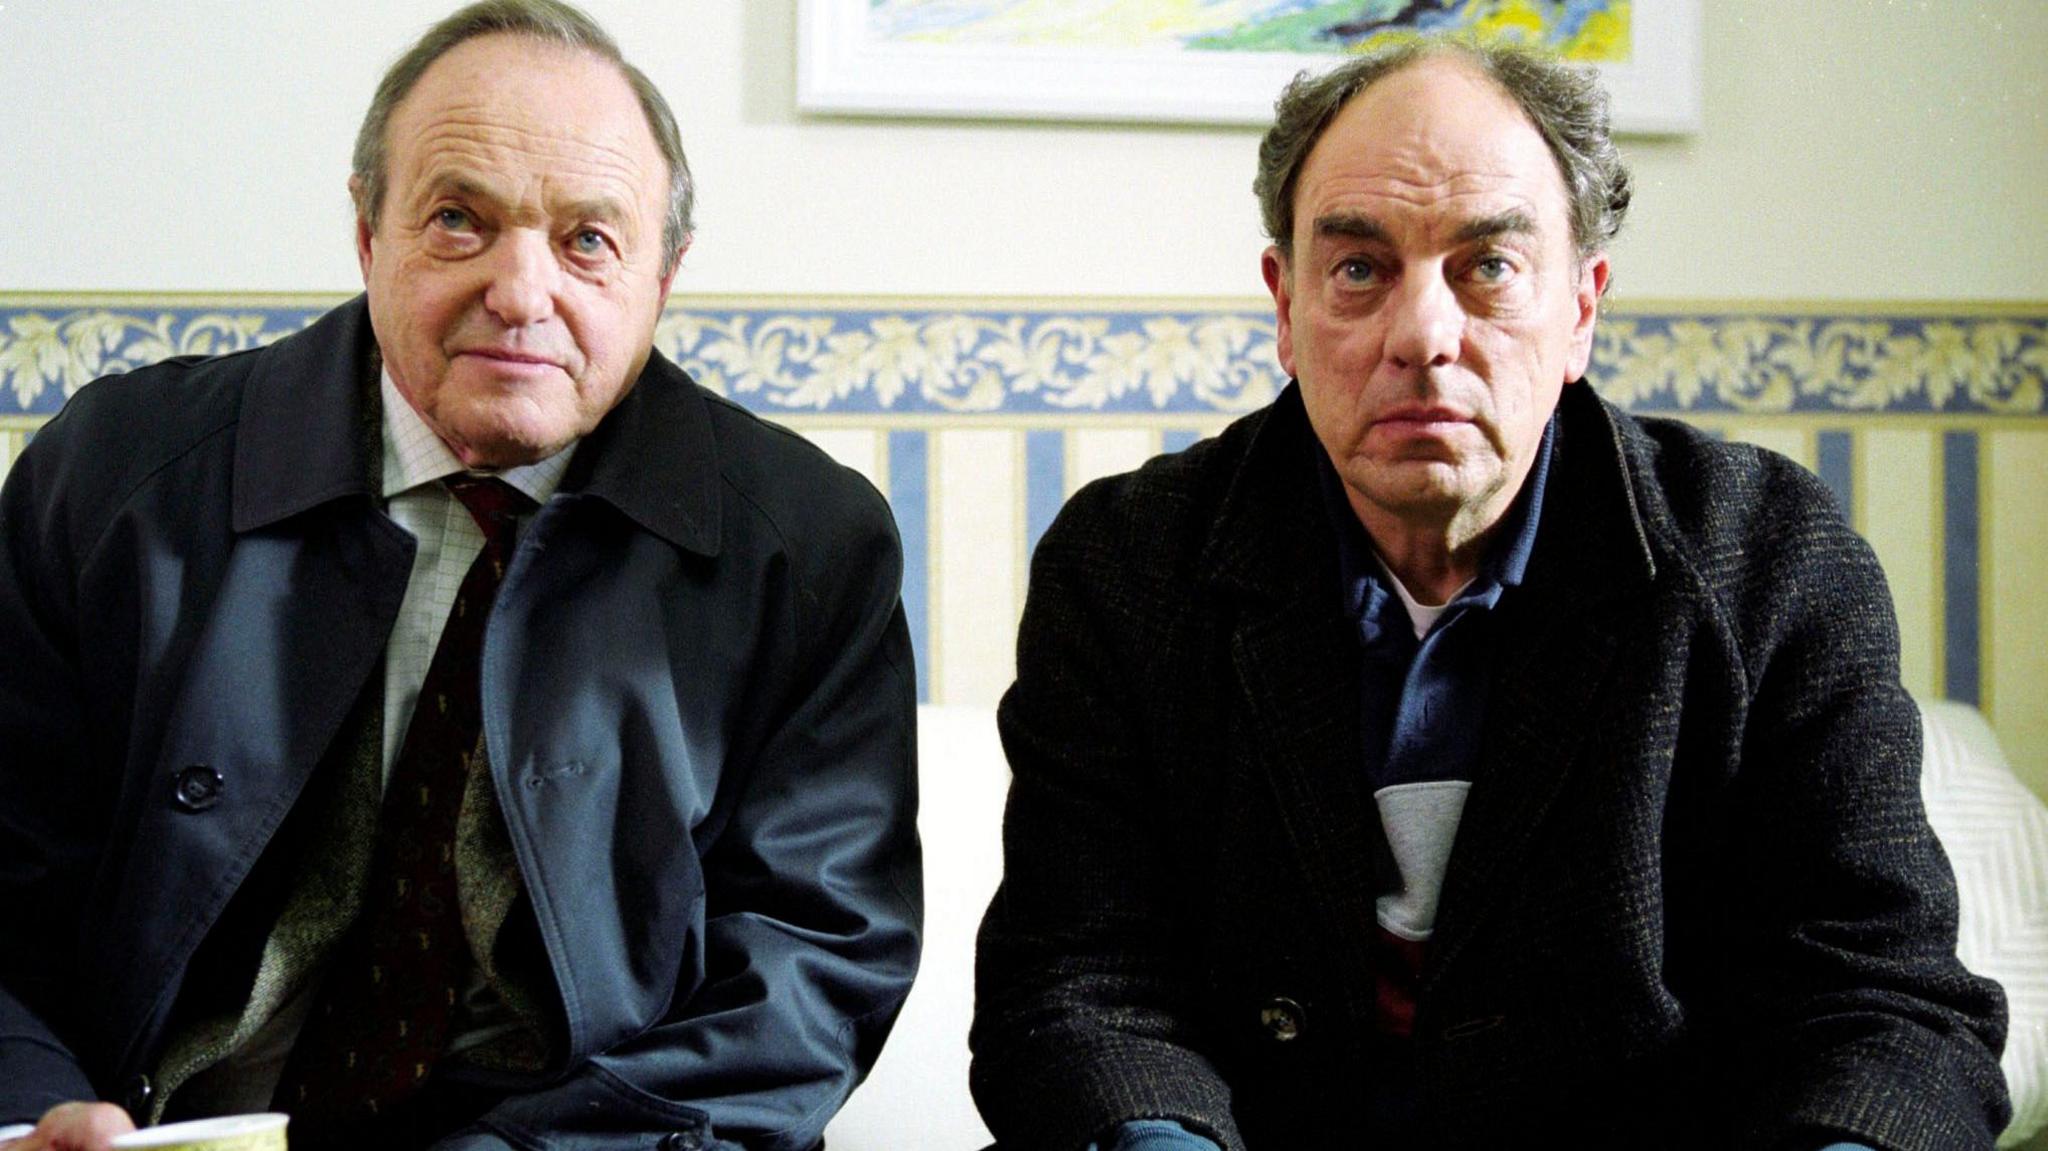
<point>1441,758</point>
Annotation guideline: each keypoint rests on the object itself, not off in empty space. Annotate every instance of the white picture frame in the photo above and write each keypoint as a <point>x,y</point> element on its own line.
<point>843,70</point>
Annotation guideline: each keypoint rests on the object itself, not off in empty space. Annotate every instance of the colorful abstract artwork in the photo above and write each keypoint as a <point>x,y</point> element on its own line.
<point>1204,61</point>
<point>1589,30</point>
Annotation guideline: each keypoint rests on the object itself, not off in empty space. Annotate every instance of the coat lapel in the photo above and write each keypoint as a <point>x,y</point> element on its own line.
<point>1299,684</point>
<point>655,458</point>
<point>1297,670</point>
<point>303,609</point>
<point>1558,634</point>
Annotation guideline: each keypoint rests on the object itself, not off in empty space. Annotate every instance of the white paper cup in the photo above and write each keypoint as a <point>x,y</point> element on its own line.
<point>228,1133</point>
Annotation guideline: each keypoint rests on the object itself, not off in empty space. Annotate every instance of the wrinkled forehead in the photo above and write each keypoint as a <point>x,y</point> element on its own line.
<point>1435,128</point>
<point>509,99</point>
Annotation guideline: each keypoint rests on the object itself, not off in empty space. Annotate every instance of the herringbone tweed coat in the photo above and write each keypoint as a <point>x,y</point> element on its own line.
<point>1694,900</point>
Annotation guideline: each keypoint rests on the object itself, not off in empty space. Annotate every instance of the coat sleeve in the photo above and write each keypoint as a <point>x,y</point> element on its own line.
<point>1084,1005</point>
<point>45,816</point>
<point>1857,1019</point>
<point>813,898</point>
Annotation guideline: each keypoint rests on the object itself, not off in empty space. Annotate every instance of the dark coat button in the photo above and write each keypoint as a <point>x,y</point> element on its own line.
<point>198,788</point>
<point>1282,1018</point>
<point>681,1141</point>
<point>135,1098</point>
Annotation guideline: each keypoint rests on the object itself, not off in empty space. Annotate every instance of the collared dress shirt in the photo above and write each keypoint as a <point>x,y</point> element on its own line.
<point>415,461</point>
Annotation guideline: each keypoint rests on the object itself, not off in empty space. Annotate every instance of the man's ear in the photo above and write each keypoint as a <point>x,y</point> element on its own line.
<point>364,233</point>
<point>674,266</point>
<point>1279,281</point>
<point>1586,295</point>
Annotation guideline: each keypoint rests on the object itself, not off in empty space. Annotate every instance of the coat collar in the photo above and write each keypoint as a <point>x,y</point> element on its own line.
<point>308,430</point>
<point>1268,536</point>
<point>1269,539</point>
<point>1294,652</point>
<point>654,457</point>
<point>309,435</point>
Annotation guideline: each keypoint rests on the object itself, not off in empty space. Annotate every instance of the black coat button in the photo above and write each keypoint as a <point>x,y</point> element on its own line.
<point>135,1098</point>
<point>1282,1018</point>
<point>198,788</point>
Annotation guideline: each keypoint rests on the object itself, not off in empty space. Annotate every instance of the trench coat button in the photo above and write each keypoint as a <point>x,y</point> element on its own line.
<point>680,1141</point>
<point>1282,1018</point>
<point>198,788</point>
<point>135,1098</point>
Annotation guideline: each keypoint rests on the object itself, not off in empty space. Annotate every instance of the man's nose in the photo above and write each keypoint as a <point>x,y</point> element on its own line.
<point>524,275</point>
<point>1426,325</point>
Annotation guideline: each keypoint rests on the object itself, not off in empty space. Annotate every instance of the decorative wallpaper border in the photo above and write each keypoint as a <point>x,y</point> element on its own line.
<point>955,357</point>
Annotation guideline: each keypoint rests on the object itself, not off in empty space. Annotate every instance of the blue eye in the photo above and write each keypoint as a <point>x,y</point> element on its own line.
<point>453,219</point>
<point>589,242</point>
<point>1357,272</point>
<point>1493,269</point>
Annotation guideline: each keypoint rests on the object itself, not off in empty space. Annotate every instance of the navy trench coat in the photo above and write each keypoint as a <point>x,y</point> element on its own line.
<point>698,703</point>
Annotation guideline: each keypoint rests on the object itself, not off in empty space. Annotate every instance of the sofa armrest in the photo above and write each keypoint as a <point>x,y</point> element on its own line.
<point>1996,833</point>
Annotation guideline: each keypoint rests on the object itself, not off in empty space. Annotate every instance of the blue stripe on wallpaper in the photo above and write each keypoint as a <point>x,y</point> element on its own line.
<point>1179,439</point>
<point>1836,457</point>
<point>1045,482</point>
<point>909,498</point>
<point>1961,677</point>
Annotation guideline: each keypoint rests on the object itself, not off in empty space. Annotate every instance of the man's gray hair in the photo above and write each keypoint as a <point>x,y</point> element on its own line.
<point>548,21</point>
<point>1564,102</point>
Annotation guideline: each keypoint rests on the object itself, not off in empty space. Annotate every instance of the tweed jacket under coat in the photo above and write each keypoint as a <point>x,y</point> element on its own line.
<point>1694,897</point>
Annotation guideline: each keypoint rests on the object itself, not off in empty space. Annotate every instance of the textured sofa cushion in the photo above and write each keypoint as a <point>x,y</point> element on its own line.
<point>1996,833</point>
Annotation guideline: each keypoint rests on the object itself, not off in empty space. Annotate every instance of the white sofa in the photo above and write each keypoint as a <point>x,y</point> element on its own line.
<point>1995,830</point>
<point>1996,833</point>
<point>916,1098</point>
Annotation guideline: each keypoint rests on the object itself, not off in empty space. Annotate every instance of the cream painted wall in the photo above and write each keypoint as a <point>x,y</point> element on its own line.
<point>1852,149</point>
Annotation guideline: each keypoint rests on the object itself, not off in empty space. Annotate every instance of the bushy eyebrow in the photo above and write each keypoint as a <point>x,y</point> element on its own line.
<point>602,209</point>
<point>1352,227</point>
<point>1509,223</point>
<point>1355,227</point>
<point>461,187</point>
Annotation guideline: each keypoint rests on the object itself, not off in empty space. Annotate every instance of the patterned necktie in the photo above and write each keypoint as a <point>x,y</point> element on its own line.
<point>383,1016</point>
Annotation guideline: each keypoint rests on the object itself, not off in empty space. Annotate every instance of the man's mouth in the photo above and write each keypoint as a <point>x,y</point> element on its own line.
<point>510,360</point>
<point>507,355</point>
<point>1423,415</point>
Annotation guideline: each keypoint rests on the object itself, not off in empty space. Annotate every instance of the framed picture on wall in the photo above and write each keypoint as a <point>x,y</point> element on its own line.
<point>1203,61</point>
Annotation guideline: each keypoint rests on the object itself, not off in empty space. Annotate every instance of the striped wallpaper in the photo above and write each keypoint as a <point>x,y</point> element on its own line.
<point>978,418</point>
